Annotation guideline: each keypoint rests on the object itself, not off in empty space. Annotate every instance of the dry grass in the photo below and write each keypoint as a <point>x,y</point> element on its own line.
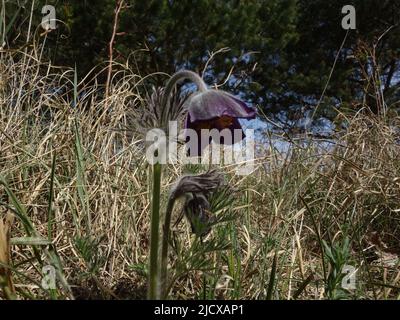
<point>72,178</point>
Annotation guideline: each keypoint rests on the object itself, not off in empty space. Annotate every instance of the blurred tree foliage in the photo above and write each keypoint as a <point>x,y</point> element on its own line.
<point>282,51</point>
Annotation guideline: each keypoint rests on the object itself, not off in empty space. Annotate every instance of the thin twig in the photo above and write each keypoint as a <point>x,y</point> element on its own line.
<point>118,7</point>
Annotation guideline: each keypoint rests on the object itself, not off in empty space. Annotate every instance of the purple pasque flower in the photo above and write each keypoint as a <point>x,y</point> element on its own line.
<point>214,109</point>
<point>197,190</point>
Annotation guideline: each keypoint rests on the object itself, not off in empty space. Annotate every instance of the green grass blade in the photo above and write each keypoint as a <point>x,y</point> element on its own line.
<point>50,202</point>
<point>272,277</point>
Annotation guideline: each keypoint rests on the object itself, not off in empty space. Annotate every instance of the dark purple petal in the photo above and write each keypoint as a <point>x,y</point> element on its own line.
<point>213,109</point>
<point>193,150</point>
<point>251,112</point>
<point>234,134</point>
<point>214,104</point>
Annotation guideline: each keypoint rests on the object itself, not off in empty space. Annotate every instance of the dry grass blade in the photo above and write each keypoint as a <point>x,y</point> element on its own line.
<point>97,190</point>
<point>6,282</point>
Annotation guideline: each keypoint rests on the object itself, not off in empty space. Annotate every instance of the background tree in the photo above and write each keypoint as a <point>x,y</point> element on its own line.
<point>282,51</point>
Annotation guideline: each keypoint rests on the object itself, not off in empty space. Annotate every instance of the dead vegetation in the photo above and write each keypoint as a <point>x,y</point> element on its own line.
<point>77,189</point>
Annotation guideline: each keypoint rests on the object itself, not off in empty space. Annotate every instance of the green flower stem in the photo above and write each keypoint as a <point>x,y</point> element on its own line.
<point>164,248</point>
<point>153,290</point>
<point>154,287</point>
<point>175,79</point>
<point>181,75</point>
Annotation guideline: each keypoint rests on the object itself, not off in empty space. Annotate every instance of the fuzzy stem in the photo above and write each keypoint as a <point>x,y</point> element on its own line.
<point>175,79</point>
<point>165,243</point>
<point>153,290</point>
<point>179,76</point>
<point>172,82</point>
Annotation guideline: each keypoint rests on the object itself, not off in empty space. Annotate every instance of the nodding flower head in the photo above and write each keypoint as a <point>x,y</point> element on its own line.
<point>214,109</point>
<point>196,189</point>
<point>197,211</point>
<point>205,109</point>
<point>201,183</point>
